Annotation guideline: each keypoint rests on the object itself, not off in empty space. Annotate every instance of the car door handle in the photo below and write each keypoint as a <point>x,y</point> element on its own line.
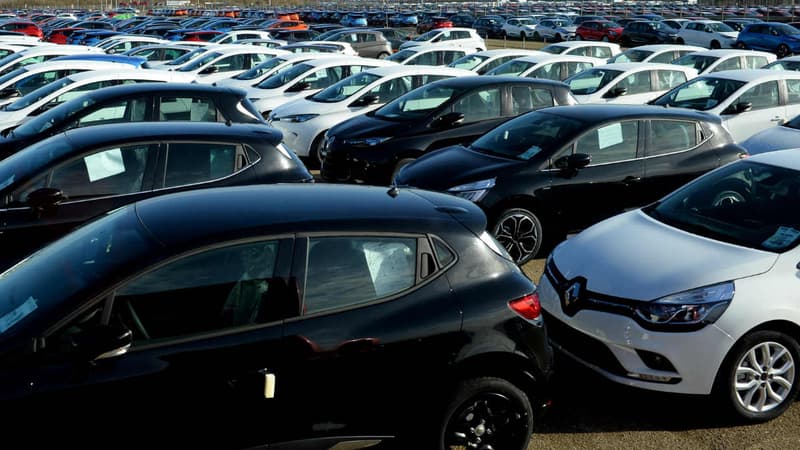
<point>776,119</point>
<point>363,345</point>
<point>631,180</point>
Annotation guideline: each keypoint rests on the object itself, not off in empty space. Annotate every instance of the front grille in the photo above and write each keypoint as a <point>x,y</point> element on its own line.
<point>582,346</point>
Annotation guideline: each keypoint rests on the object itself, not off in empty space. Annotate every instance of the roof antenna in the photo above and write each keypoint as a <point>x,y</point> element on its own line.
<point>228,122</point>
<point>393,190</point>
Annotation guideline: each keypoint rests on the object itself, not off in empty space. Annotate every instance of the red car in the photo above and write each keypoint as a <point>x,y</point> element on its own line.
<point>20,26</point>
<point>433,23</point>
<point>60,35</point>
<point>202,35</point>
<point>599,30</point>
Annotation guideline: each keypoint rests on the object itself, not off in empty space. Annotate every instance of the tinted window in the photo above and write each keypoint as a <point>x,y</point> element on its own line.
<point>636,83</point>
<point>550,71</point>
<point>324,78</point>
<point>443,253</point>
<point>525,99</point>
<point>590,81</point>
<point>701,93</point>
<point>133,110</point>
<point>212,290</point>
<point>353,270</point>
<point>481,105</point>
<point>765,95</point>
<point>667,136</point>
<point>610,143</point>
<point>664,58</point>
<point>668,79</point>
<point>189,163</point>
<point>755,62</point>
<point>734,63</point>
<point>793,91</point>
<point>187,108</point>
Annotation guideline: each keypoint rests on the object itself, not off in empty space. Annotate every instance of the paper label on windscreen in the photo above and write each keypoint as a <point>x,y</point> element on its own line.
<point>609,135</point>
<point>781,239</point>
<point>104,164</point>
<point>20,312</point>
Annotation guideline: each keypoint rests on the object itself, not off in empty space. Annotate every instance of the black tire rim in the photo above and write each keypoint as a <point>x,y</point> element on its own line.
<point>783,51</point>
<point>488,421</point>
<point>519,235</point>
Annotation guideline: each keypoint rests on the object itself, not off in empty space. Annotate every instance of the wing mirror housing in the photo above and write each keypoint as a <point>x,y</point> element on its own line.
<point>738,108</point>
<point>366,100</point>
<point>616,92</point>
<point>102,341</point>
<point>573,162</point>
<point>299,87</point>
<point>209,70</point>
<point>46,197</point>
<point>448,120</point>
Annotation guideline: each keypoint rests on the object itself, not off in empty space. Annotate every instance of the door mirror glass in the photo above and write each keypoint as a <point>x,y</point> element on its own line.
<point>45,197</point>
<point>574,161</point>
<point>448,120</point>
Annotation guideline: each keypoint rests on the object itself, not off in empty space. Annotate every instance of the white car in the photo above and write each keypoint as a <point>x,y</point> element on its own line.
<point>555,30</point>
<point>656,53</point>
<point>271,43</point>
<point>519,27</point>
<point>304,121</point>
<point>35,55</point>
<point>186,58</point>
<point>593,49</point>
<point>781,137</point>
<point>73,86</point>
<point>455,37</point>
<point>547,66</point>
<point>429,55</point>
<point>220,63</point>
<point>159,53</point>
<point>343,48</point>
<point>708,34</point>
<point>7,49</point>
<point>787,63</point>
<point>694,294</point>
<point>747,100</point>
<point>306,79</point>
<point>235,36</point>
<point>124,43</point>
<point>629,83</point>
<point>261,72</point>
<point>708,61</point>
<point>482,62</point>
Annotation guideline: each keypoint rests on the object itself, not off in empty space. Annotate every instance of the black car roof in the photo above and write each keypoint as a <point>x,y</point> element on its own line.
<point>468,82</point>
<point>165,88</point>
<point>295,208</point>
<point>600,113</point>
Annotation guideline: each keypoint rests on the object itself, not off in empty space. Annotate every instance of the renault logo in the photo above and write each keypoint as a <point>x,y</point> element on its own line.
<point>572,294</point>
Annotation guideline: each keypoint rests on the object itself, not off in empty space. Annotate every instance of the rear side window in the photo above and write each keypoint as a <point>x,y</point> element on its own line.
<point>610,143</point>
<point>668,79</point>
<point>189,163</point>
<point>525,99</point>
<point>347,271</point>
<point>729,64</point>
<point>793,91</point>
<point>668,136</point>
<point>636,83</point>
<point>765,95</point>
<point>187,108</point>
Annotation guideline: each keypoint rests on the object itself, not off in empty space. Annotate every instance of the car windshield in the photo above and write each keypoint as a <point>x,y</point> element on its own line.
<point>468,62</point>
<point>719,27</point>
<point>11,58</point>
<point>54,116</point>
<point>418,103</point>
<point>511,68</point>
<point>284,76</point>
<point>555,49</point>
<point>528,135</point>
<point>784,65</point>
<point>401,56</point>
<point>747,203</point>
<point>77,265</point>
<point>701,93</point>
<point>38,94</point>
<point>632,55</point>
<point>200,62</point>
<point>186,57</point>
<point>592,80</point>
<point>11,75</point>
<point>699,62</point>
<point>786,30</point>
<point>260,69</point>
<point>427,36</point>
<point>346,88</point>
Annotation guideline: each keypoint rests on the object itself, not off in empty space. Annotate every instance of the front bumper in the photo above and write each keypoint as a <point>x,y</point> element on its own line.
<point>343,163</point>
<point>296,136</point>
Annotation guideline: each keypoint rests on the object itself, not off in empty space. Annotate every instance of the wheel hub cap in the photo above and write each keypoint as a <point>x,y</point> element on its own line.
<point>764,377</point>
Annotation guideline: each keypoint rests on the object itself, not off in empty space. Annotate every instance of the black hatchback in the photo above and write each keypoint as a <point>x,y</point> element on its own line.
<point>371,148</point>
<point>65,180</point>
<point>562,169</point>
<point>229,317</point>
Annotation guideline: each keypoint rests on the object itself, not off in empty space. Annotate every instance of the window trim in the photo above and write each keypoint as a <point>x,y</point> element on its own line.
<point>161,170</point>
<point>640,146</point>
<point>698,138</point>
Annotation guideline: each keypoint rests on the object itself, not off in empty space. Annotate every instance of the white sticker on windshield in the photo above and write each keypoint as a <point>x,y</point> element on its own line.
<point>104,164</point>
<point>7,183</point>
<point>781,239</point>
<point>20,312</point>
<point>609,135</point>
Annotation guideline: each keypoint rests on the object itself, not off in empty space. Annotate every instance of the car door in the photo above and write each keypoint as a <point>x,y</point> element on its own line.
<point>92,183</point>
<point>375,327</point>
<point>482,109</point>
<point>765,110</point>
<point>637,89</point>
<point>609,184</point>
<point>674,156</point>
<point>206,331</point>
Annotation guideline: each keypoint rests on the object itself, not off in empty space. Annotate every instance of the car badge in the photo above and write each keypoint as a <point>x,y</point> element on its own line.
<point>572,294</point>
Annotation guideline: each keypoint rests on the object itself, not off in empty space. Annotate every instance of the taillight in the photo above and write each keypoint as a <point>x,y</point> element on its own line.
<point>527,307</point>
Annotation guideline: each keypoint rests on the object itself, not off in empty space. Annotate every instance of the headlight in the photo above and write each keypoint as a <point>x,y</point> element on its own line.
<point>297,117</point>
<point>696,307</point>
<point>366,142</point>
<point>473,192</point>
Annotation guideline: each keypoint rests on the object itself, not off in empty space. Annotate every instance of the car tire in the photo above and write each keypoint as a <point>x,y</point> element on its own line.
<point>487,412</point>
<point>715,45</point>
<point>680,41</point>
<point>783,51</point>
<point>558,38</point>
<point>763,392</point>
<point>578,37</point>
<point>537,36</point>
<point>382,55</point>
<point>605,39</point>
<point>314,160</point>
<point>519,231</point>
<point>741,45</point>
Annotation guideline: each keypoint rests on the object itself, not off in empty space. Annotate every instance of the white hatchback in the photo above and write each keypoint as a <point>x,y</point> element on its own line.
<point>630,83</point>
<point>547,66</point>
<point>709,61</point>
<point>656,53</point>
<point>707,33</point>
<point>466,38</point>
<point>694,294</point>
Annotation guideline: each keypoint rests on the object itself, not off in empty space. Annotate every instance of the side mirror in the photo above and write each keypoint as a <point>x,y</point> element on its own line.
<point>448,120</point>
<point>573,162</point>
<point>45,198</point>
<point>209,70</point>
<point>9,92</point>
<point>366,100</point>
<point>302,86</point>
<point>616,92</point>
<point>102,341</point>
<point>738,108</point>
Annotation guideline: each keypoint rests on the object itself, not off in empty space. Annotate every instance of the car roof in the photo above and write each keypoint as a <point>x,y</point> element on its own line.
<point>290,208</point>
<point>401,69</point>
<point>506,52</point>
<point>348,60</point>
<point>542,57</point>
<point>598,113</point>
<point>730,52</point>
<point>748,75</point>
<point>165,88</point>
<point>469,82</point>
<point>789,158</point>
<point>664,47</point>
<point>572,44</point>
<point>635,66</point>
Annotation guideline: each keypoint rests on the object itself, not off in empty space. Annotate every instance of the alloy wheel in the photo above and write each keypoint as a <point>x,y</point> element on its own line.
<point>764,377</point>
<point>519,232</point>
<point>487,421</point>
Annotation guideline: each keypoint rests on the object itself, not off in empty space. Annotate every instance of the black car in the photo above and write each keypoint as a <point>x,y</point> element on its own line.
<point>143,102</point>
<point>65,180</point>
<point>223,318</point>
<point>371,148</point>
<point>643,32</point>
<point>559,170</point>
<point>489,26</point>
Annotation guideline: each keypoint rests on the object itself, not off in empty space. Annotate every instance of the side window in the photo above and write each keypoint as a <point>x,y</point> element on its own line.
<point>664,58</point>
<point>582,51</point>
<point>258,58</point>
<point>78,91</point>
<point>668,79</point>
<point>610,143</point>
<point>765,95</point>
<point>450,56</point>
<point>422,80</point>
<point>187,108</point>
<point>209,291</point>
<point>636,83</point>
<point>347,271</point>
<point>111,171</point>
<point>526,99</point>
<point>481,105</point>
<point>391,89</point>
<point>189,163</point>
<point>234,62</point>
<point>33,82</point>
<point>369,38</point>
<point>324,78</point>
<point>793,91</point>
<point>601,52</point>
<point>734,63</point>
<point>497,62</point>
<point>125,111</point>
<point>425,59</point>
<point>755,62</point>
<point>575,67</point>
<point>667,136</point>
<point>550,71</point>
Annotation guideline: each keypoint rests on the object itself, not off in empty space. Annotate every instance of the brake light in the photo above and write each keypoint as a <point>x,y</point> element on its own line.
<point>527,307</point>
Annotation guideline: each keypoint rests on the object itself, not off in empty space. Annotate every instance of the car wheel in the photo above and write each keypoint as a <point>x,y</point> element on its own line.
<point>741,45</point>
<point>680,41</point>
<point>715,45</point>
<point>783,51</point>
<point>578,37</point>
<point>400,164</point>
<point>519,231</point>
<point>758,380</point>
<point>314,160</point>
<point>558,38</point>
<point>537,36</point>
<point>383,55</point>
<point>605,38</point>
<point>487,413</point>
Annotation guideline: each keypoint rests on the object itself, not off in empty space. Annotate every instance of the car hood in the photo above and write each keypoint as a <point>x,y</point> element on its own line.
<point>369,126</point>
<point>729,34</point>
<point>305,106</point>
<point>774,138</point>
<point>635,257</point>
<point>453,166</point>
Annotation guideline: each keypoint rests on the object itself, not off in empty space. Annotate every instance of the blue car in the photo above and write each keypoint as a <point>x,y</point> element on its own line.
<point>354,20</point>
<point>776,37</point>
<point>94,36</point>
<point>404,20</point>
